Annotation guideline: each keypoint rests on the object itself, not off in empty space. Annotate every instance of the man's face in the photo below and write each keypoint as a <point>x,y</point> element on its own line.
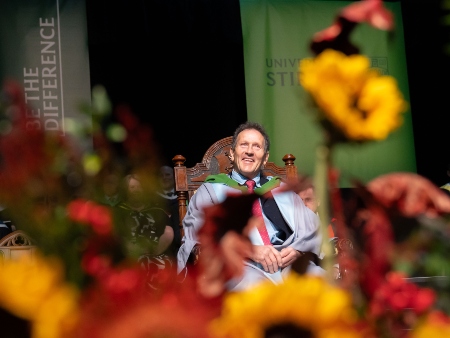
<point>249,156</point>
<point>166,178</point>
<point>309,198</point>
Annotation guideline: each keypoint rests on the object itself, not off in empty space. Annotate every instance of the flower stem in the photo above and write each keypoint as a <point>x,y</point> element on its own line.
<point>323,163</point>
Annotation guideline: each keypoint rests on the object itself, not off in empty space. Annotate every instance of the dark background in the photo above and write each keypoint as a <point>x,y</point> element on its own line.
<point>141,50</point>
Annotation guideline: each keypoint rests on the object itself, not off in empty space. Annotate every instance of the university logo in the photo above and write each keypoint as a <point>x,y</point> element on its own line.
<point>380,64</point>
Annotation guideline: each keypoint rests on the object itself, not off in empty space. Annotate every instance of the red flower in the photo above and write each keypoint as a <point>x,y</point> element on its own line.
<point>224,242</point>
<point>397,294</point>
<point>424,299</point>
<point>127,118</point>
<point>94,264</point>
<point>87,212</point>
<point>119,305</point>
<point>101,219</point>
<point>23,136</point>
<point>376,262</point>
<point>78,210</point>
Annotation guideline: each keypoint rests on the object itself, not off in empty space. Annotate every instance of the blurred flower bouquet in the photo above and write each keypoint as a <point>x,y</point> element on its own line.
<point>82,283</point>
<point>82,280</point>
<point>397,223</point>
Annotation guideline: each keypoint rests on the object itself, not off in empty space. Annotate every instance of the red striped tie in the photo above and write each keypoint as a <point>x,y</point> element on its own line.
<point>258,212</point>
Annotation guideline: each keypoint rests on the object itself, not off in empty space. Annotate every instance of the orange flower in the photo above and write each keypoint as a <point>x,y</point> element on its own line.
<point>437,324</point>
<point>412,194</point>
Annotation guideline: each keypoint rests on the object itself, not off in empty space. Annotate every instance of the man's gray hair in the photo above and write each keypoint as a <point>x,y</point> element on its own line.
<point>255,126</point>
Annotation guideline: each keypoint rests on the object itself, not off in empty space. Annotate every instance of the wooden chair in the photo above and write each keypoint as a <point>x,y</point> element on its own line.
<point>215,161</point>
<point>16,245</point>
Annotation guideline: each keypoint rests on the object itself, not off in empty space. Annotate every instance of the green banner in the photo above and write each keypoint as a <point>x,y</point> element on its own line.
<point>276,36</point>
<point>43,46</point>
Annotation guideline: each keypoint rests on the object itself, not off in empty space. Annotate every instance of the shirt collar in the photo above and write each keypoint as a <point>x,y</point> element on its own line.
<point>242,179</point>
<point>165,194</point>
<point>112,198</point>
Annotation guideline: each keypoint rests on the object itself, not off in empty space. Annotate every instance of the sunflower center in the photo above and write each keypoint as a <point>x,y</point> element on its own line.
<point>288,330</point>
<point>13,326</point>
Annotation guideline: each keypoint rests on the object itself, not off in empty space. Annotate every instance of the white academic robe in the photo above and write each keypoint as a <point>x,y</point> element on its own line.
<point>303,223</point>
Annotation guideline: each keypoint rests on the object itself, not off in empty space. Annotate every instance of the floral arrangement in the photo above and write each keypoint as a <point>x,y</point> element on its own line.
<point>82,282</point>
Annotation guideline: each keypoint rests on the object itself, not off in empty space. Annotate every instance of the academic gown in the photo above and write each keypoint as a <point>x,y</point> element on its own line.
<point>305,234</point>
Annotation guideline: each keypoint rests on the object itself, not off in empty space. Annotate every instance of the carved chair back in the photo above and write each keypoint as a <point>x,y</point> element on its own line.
<point>16,245</point>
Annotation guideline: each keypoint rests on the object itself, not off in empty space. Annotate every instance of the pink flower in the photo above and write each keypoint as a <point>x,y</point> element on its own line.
<point>372,12</point>
<point>337,35</point>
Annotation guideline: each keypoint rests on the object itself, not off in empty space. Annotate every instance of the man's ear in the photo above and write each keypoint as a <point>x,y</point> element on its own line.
<point>231,155</point>
<point>266,158</point>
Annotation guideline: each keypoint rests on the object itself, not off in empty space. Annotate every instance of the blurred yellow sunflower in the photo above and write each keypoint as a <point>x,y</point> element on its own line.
<point>360,102</point>
<point>302,306</point>
<point>436,324</point>
<point>34,290</point>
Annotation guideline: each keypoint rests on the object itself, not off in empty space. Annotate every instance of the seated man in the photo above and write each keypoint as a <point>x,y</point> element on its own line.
<point>291,230</point>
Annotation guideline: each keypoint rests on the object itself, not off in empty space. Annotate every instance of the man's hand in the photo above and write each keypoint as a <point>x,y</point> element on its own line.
<point>288,256</point>
<point>268,257</point>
